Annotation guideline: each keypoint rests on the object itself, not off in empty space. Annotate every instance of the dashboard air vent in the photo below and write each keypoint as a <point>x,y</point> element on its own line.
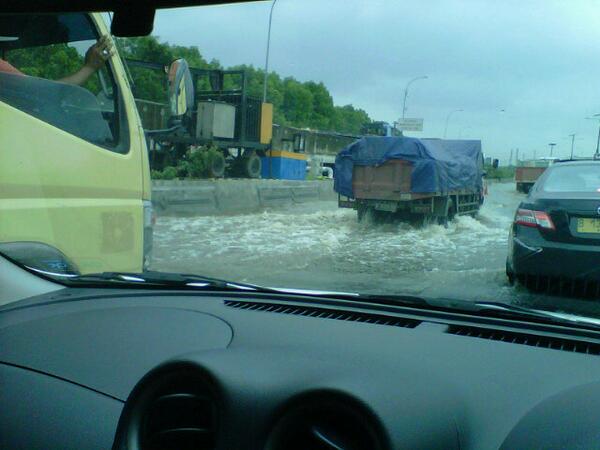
<point>567,345</point>
<point>176,411</point>
<point>325,313</point>
<point>325,425</point>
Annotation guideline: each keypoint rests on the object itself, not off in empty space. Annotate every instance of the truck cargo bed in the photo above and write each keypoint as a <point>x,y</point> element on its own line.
<point>389,181</point>
<point>528,174</point>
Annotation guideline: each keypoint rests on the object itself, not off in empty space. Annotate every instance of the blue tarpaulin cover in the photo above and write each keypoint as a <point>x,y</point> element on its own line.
<point>438,165</point>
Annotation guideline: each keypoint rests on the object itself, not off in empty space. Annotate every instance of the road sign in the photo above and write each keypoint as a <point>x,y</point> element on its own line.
<point>409,124</point>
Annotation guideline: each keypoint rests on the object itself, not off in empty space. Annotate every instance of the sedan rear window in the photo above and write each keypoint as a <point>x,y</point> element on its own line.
<point>579,178</point>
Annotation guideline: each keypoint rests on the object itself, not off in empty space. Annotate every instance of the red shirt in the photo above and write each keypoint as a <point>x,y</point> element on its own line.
<point>7,67</point>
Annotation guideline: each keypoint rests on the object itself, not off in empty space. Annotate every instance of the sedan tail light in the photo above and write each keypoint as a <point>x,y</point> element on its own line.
<point>530,218</point>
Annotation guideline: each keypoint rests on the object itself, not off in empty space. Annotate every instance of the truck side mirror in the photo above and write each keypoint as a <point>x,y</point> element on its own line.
<point>181,88</point>
<point>495,163</point>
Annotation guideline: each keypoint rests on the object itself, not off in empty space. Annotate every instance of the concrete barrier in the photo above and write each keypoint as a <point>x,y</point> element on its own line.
<point>208,197</point>
<point>302,194</point>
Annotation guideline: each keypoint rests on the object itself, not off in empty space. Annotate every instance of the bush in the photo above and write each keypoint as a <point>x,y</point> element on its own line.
<point>200,162</point>
<point>169,173</point>
<point>183,169</point>
<point>197,164</point>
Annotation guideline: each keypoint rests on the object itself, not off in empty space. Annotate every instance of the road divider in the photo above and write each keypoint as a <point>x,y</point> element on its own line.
<point>233,196</point>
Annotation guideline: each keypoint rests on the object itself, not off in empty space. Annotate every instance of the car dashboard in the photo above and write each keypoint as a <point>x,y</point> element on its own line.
<point>137,369</point>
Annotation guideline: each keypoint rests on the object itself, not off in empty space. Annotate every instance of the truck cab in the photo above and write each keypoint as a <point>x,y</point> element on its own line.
<point>75,193</point>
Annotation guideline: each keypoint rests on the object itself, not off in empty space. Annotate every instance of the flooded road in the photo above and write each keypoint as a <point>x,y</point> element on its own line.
<point>319,246</point>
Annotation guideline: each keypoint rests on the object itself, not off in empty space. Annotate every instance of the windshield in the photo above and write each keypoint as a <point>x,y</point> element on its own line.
<point>354,146</point>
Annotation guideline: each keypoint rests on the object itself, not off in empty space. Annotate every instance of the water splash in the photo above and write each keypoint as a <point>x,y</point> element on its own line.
<point>323,247</point>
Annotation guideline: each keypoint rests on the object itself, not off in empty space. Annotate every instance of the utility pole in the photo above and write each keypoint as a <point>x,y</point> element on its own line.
<point>510,158</point>
<point>267,56</point>
<point>552,145</point>
<point>572,143</point>
<point>424,77</point>
<point>517,157</point>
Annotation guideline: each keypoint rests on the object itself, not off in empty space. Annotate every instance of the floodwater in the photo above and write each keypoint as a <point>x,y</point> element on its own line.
<point>319,246</point>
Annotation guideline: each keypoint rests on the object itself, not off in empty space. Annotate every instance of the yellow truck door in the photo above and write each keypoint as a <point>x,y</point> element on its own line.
<point>72,161</point>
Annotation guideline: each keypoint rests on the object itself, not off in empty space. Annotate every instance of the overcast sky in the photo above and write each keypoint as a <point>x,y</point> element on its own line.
<point>539,61</point>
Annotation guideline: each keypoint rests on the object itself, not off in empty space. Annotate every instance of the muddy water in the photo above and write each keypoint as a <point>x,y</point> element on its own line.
<point>319,246</point>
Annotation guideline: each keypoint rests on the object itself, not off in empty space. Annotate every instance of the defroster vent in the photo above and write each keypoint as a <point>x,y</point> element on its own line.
<point>533,340</point>
<point>325,313</point>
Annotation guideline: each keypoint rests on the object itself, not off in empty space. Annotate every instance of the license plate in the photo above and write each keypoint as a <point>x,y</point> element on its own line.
<point>386,206</point>
<point>588,225</point>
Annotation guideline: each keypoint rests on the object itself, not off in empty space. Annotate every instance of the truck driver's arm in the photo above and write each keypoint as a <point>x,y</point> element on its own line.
<point>95,58</point>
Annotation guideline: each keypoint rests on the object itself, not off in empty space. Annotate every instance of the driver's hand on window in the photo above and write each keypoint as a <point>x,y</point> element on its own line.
<point>98,53</point>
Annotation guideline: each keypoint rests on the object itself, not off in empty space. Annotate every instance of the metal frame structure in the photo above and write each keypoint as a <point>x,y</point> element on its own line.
<point>216,78</point>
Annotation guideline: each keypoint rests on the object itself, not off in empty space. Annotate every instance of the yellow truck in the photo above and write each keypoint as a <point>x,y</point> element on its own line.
<point>74,175</point>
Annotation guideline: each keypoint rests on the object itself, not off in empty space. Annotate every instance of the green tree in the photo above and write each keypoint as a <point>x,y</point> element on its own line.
<point>307,104</point>
<point>297,102</point>
<point>323,110</point>
<point>348,119</point>
<point>300,104</point>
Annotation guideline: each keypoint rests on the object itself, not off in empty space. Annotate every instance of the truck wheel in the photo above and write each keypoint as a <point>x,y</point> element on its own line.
<point>450,214</point>
<point>418,220</point>
<point>252,165</point>
<point>361,212</point>
<point>217,166</point>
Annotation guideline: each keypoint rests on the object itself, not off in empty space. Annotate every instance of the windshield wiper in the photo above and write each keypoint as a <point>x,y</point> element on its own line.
<point>552,316</point>
<point>159,279</point>
<point>199,282</point>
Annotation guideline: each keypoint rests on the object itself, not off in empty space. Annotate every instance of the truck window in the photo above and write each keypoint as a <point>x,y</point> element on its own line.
<point>38,56</point>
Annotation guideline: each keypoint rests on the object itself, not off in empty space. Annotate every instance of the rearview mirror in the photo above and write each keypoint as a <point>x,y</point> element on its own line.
<point>181,89</point>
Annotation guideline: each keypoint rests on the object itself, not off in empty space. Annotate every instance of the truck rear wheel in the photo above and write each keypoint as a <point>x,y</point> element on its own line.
<point>217,166</point>
<point>252,165</point>
<point>450,214</point>
<point>361,213</point>
<point>418,220</point>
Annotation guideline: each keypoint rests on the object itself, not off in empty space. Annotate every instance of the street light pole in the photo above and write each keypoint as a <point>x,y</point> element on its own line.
<point>423,77</point>
<point>448,119</point>
<point>267,56</point>
<point>572,143</point>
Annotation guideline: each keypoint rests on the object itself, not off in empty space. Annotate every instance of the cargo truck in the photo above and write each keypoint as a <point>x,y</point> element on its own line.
<point>419,181</point>
<point>527,173</point>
